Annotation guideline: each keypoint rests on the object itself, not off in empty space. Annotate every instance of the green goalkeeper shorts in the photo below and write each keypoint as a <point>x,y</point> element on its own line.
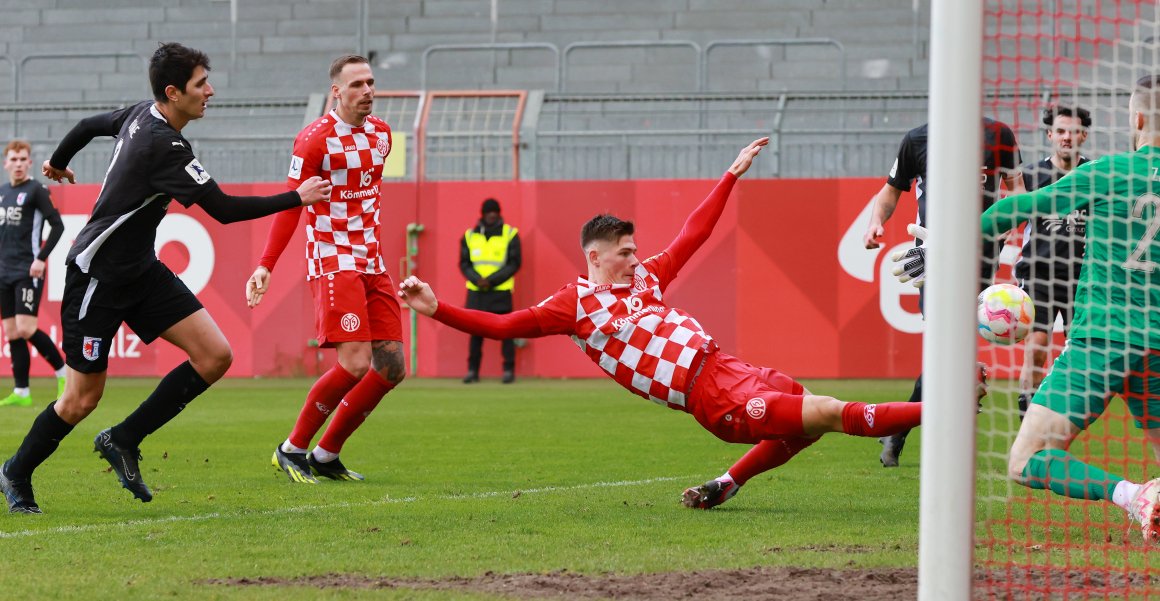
<point>1090,371</point>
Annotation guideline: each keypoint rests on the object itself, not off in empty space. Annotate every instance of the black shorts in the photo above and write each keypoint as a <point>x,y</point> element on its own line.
<point>20,297</point>
<point>1051,297</point>
<point>492,301</point>
<point>92,311</point>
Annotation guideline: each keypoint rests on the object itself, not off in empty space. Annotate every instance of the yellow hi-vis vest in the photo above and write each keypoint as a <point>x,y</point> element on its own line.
<point>489,254</point>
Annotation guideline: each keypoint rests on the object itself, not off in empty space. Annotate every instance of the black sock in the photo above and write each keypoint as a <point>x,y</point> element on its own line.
<point>21,360</point>
<point>176,389</point>
<point>47,349</point>
<point>916,394</point>
<point>48,429</point>
<point>915,397</point>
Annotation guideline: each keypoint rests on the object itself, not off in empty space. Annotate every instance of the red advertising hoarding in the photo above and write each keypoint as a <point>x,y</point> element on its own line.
<point>784,281</point>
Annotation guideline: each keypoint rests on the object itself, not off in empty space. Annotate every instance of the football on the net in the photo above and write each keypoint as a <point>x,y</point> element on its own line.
<point>1006,314</point>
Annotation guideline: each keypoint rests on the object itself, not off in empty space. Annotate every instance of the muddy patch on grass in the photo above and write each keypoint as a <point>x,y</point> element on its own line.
<point>800,584</point>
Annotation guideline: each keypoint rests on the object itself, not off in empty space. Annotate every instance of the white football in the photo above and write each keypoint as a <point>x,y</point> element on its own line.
<point>1006,314</point>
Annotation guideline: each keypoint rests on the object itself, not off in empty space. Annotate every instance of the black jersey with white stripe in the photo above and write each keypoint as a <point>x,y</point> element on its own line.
<point>1000,153</point>
<point>24,209</point>
<point>152,163</point>
<point>1052,244</point>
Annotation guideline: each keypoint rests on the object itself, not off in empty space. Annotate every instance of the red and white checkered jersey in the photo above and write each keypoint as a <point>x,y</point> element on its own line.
<point>342,234</point>
<point>651,349</point>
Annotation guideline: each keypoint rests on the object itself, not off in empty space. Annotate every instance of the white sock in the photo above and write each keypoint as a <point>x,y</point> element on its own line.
<point>60,372</point>
<point>21,391</point>
<point>725,476</point>
<point>290,448</point>
<point>323,456</point>
<point>1124,493</point>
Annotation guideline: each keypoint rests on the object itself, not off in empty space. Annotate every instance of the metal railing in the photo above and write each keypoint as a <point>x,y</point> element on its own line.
<point>646,44</point>
<point>430,50</point>
<point>18,72</point>
<point>502,135</point>
<point>703,72</point>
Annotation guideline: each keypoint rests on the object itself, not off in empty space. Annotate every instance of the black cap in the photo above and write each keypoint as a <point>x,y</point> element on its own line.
<point>490,205</point>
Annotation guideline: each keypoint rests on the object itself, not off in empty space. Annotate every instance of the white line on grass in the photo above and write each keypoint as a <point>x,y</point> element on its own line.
<point>344,505</point>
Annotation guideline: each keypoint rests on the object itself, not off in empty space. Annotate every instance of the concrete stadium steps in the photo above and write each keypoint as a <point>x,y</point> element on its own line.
<point>280,44</point>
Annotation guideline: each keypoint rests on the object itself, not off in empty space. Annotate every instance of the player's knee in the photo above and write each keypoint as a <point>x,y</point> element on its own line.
<point>214,363</point>
<point>357,366</point>
<point>393,367</point>
<point>822,413</point>
<point>388,358</point>
<point>1015,466</point>
<point>23,331</point>
<point>75,407</point>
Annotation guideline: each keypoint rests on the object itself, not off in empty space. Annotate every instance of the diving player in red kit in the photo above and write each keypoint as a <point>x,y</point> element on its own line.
<point>618,317</point>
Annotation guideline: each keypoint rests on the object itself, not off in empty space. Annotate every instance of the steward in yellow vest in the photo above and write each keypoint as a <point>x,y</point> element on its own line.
<point>489,257</point>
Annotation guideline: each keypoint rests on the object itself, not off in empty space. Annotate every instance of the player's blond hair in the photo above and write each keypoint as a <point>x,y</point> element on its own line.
<point>344,60</point>
<point>17,146</point>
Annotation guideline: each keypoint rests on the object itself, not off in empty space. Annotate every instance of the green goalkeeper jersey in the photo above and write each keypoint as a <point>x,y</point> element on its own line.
<point>1118,294</point>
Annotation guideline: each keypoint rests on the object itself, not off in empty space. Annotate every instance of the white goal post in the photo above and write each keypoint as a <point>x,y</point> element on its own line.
<point>947,504</point>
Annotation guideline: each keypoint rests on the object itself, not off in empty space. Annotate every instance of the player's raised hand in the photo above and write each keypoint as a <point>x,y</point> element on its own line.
<point>911,264</point>
<point>315,189</point>
<point>257,286</point>
<point>745,159</point>
<point>418,295</point>
<point>58,175</point>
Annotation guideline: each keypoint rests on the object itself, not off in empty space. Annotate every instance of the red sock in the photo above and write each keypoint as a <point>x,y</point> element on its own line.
<point>883,419</point>
<point>353,411</point>
<point>320,401</point>
<point>767,455</point>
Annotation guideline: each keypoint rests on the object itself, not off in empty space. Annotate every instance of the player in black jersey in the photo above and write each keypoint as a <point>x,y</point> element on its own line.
<point>24,209</point>
<point>999,163</point>
<point>1048,268</point>
<point>114,275</point>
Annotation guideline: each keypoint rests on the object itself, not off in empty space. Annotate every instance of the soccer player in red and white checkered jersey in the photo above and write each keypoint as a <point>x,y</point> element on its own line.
<point>354,297</point>
<point>618,317</point>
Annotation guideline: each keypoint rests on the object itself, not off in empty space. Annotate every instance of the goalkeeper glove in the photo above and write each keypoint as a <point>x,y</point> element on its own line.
<point>910,265</point>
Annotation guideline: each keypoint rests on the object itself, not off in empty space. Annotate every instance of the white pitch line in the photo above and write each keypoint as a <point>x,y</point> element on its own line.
<point>310,508</point>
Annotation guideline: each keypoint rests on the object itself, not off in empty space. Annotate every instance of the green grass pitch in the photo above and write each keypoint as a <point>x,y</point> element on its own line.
<point>461,480</point>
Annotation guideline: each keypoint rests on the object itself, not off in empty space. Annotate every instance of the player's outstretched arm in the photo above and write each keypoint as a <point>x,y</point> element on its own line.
<point>517,324</point>
<point>699,225</point>
<point>228,209</point>
<point>104,124</point>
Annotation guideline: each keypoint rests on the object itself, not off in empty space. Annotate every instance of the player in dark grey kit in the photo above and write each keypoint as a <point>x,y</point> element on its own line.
<point>24,209</point>
<point>114,275</point>
<point>1048,268</point>
<point>999,162</point>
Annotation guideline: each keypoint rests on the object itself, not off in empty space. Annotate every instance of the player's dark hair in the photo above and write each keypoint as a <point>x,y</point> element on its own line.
<point>344,60</point>
<point>1063,110</point>
<point>172,65</point>
<point>609,228</point>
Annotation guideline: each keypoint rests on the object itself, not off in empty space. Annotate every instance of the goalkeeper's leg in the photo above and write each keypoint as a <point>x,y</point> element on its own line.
<point>1040,460</point>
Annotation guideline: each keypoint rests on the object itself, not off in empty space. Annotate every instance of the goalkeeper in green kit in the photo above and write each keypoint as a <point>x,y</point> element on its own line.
<point>1116,330</point>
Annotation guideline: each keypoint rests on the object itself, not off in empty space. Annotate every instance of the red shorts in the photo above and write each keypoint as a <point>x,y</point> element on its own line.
<point>356,307</point>
<point>738,402</point>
